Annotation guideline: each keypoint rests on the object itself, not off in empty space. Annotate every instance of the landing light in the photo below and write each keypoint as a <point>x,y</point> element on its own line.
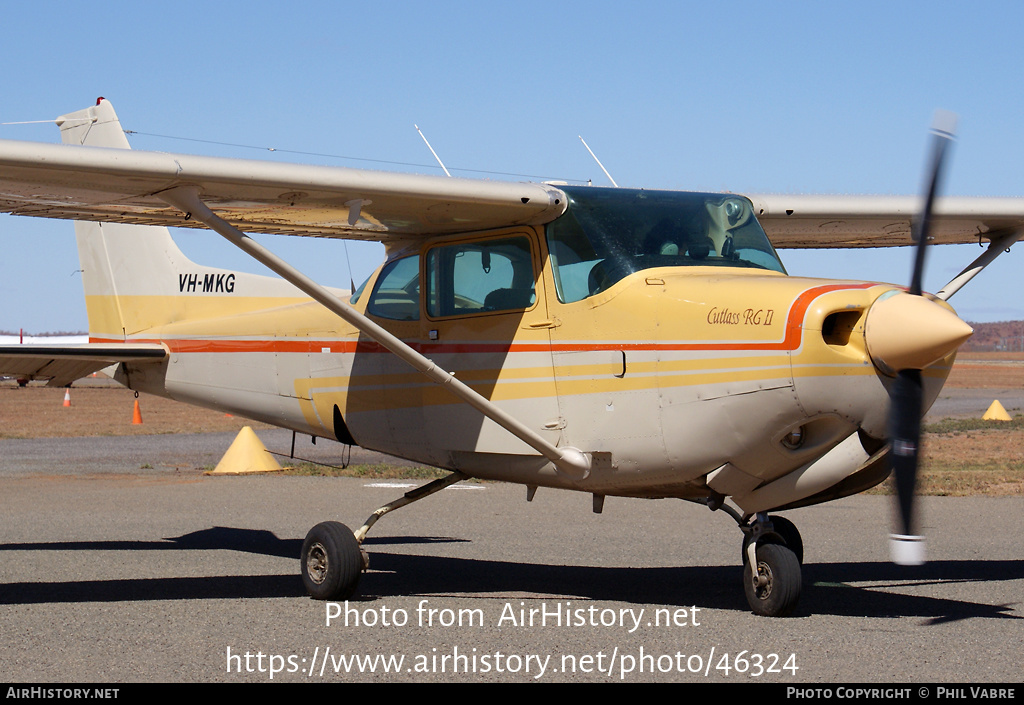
<point>794,439</point>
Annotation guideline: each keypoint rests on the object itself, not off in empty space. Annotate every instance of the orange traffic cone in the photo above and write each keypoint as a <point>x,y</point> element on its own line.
<point>136,414</point>
<point>67,397</point>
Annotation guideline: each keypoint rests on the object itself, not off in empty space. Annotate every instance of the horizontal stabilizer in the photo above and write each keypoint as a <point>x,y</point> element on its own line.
<point>63,364</point>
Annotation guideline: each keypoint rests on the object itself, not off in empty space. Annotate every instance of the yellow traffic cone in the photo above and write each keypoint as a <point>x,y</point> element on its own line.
<point>246,454</point>
<point>996,412</point>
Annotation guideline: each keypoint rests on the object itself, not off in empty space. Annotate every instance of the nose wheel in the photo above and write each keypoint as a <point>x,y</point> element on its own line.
<point>772,555</point>
<point>773,588</point>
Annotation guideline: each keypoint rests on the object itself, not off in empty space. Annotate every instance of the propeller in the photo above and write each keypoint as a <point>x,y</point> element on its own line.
<point>907,400</point>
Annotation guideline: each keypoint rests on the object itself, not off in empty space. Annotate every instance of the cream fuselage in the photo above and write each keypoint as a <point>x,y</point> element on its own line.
<point>665,377</point>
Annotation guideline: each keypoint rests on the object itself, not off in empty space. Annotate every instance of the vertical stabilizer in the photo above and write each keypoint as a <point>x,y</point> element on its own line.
<point>97,126</point>
<point>117,260</point>
<point>135,277</point>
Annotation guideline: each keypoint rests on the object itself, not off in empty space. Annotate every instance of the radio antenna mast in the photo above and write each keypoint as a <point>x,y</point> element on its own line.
<point>595,159</point>
<point>433,152</point>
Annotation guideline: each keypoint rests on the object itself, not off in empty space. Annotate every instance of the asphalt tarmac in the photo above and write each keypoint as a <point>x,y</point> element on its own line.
<point>123,562</point>
<point>962,402</point>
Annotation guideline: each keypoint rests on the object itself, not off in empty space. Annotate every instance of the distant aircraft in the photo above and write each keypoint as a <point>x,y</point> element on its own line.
<point>611,341</point>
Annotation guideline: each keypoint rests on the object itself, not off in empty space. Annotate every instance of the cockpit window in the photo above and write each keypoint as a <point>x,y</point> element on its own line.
<point>607,234</point>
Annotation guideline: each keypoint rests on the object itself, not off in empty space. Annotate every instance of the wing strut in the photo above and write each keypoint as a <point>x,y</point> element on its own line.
<point>996,247</point>
<point>571,461</point>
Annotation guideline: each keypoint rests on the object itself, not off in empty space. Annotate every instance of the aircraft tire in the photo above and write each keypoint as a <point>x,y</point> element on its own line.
<point>331,562</point>
<point>789,533</point>
<point>780,595</point>
<point>790,536</point>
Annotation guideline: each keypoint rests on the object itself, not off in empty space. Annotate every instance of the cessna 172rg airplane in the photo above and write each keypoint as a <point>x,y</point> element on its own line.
<point>610,341</point>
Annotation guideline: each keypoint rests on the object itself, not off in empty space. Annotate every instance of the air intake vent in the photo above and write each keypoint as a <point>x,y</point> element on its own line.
<point>837,326</point>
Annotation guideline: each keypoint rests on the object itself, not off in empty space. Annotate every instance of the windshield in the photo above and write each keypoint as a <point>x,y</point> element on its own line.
<point>609,233</point>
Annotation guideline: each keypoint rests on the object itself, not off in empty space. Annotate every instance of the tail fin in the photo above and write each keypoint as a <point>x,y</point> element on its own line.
<point>135,277</point>
<point>97,126</point>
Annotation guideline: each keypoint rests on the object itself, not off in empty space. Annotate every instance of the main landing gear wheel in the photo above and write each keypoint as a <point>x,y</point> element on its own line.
<point>332,556</point>
<point>789,534</point>
<point>775,590</point>
<point>332,562</point>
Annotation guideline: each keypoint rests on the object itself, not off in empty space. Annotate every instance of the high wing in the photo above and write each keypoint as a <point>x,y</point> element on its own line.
<point>882,221</point>
<point>114,185</point>
<point>62,365</point>
<point>120,185</point>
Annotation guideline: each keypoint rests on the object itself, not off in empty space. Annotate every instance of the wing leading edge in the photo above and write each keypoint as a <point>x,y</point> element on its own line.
<point>121,185</point>
<point>813,221</point>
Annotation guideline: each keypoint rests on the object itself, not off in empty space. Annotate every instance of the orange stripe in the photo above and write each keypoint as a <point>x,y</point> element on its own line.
<point>791,340</point>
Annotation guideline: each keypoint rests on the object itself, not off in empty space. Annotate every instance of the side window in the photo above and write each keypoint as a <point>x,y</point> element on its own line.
<point>480,277</point>
<point>397,294</point>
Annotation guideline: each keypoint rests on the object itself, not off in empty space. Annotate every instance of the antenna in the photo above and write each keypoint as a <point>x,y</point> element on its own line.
<point>435,153</point>
<point>595,159</point>
<point>351,279</point>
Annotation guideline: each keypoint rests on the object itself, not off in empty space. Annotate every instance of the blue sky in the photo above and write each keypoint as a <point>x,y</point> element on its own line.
<point>747,97</point>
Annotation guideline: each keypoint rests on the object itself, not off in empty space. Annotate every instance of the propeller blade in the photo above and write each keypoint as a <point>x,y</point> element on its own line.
<point>905,440</point>
<point>907,402</point>
<point>943,127</point>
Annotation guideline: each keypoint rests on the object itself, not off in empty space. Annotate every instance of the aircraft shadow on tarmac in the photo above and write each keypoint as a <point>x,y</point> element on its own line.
<point>213,539</point>
<point>841,589</point>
